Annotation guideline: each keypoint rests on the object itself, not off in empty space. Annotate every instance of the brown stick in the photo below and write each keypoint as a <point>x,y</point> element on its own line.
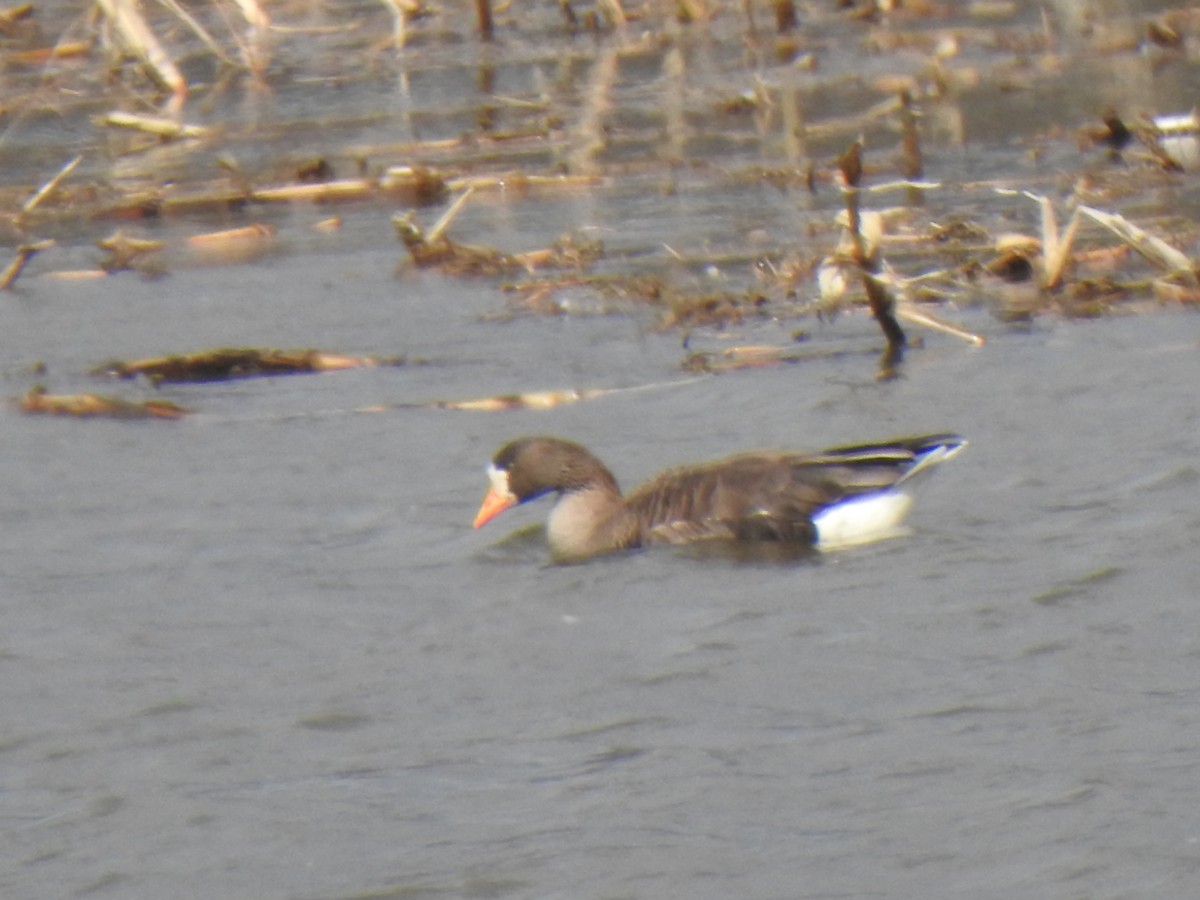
<point>25,253</point>
<point>487,28</point>
<point>882,305</point>
<point>910,141</point>
<point>785,15</point>
<point>50,186</point>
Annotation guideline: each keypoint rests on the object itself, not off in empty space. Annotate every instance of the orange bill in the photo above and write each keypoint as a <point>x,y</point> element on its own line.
<point>493,504</point>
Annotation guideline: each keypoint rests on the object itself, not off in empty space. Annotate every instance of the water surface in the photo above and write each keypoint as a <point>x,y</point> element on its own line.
<point>260,653</point>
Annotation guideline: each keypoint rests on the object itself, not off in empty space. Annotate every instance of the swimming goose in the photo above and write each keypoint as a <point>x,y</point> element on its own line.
<point>836,498</point>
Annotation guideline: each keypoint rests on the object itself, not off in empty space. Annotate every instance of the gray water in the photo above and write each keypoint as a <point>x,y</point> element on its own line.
<point>260,653</point>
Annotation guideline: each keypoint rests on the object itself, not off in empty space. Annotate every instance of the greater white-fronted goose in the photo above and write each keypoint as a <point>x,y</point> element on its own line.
<point>836,498</point>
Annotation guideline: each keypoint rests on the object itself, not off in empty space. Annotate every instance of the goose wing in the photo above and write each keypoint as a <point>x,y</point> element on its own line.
<point>755,497</point>
<point>774,496</point>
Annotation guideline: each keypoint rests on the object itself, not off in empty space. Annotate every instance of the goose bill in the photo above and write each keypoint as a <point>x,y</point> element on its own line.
<point>493,504</point>
<point>498,499</point>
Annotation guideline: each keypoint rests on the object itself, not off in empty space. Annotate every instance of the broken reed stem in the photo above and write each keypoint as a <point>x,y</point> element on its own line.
<point>883,306</point>
<point>137,37</point>
<point>49,187</point>
<point>200,31</point>
<point>613,11</point>
<point>792,123</point>
<point>674,71</point>
<point>25,253</point>
<point>399,23</point>
<point>909,313</point>
<point>164,128</point>
<point>1155,250</point>
<point>36,400</point>
<point>447,219</point>
<point>1056,262</point>
<point>590,138</point>
<point>910,141</point>
<point>10,17</point>
<point>487,27</point>
<point>254,14</point>
<point>785,15</point>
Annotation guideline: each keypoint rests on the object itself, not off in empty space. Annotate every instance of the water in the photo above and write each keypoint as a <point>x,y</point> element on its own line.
<point>255,654</point>
<point>259,653</point>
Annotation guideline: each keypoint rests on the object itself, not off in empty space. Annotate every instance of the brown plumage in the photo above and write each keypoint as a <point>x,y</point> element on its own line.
<point>783,498</point>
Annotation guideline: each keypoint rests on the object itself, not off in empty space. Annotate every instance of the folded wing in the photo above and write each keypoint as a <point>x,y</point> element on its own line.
<point>775,497</point>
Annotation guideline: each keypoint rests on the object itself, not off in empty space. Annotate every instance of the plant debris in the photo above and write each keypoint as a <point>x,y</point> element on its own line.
<point>529,400</point>
<point>227,363</point>
<point>435,249</point>
<point>169,171</point>
<point>36,400</point>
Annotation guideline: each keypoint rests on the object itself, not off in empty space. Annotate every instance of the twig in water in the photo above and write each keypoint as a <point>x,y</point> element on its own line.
<point>487,28</point>
<point>441,225</point>
<point>136,35</point>
<point>25,253</point>
<point>50,186</point>
<point>1157,251</point>
<point>910,141</point>
<point>850,165</point>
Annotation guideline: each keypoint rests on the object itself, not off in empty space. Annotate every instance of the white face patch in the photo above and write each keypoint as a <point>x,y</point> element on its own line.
<point>499,480</point>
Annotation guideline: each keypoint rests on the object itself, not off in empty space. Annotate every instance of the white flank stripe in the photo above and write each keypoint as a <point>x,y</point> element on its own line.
<point>862,520</point>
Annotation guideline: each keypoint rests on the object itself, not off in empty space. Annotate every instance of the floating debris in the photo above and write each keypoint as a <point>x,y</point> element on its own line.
<point>319,192</point>
<point>25,253</point>
<point>163,128</point>
<point>910,313</point>
<point>92,405</point>
<point>529,400</point>
<point>1179,138</point>
<point>1056,246</point>
<point>11,16</point>
<point>450,257</point>
<point>39,56</point>
<point>407,184</point>
<point>1171,142</point>
<point>864,253</point>
<point>507,402</point>
<point>232,245</point>
<point>227,363</point>
<point>709,309</point>
<point>50,186</point>
<point>1154,249</point>
<point>139,40</point>
<point>621,121</point>
<point>434,249</point>
<point>125,252</point>
<point>757,357</point>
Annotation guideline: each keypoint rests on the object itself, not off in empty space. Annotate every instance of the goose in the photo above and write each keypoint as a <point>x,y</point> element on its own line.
<point>837,498</point>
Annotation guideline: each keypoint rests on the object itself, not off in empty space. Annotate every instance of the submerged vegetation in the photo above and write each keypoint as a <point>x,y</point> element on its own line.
<point>857,111</point>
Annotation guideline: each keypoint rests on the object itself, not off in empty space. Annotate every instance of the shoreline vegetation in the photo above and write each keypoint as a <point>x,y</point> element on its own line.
<point>851,107</point>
